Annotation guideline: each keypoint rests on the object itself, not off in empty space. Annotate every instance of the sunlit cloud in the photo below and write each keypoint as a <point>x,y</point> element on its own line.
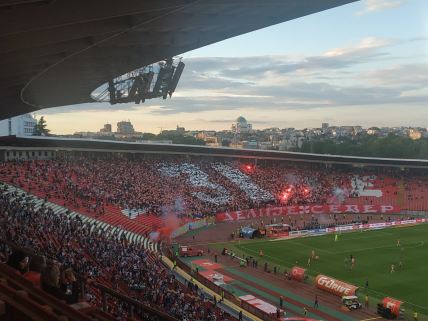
<point>370,6</point>
<point>273,91</point>
<point>363,46</point>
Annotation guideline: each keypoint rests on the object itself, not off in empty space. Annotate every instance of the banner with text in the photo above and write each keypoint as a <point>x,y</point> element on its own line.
<point>189,227</point>
<point>334,286</point>
<point>306,209</point>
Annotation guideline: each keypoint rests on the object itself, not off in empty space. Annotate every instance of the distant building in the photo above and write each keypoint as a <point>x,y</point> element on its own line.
<point>274,139</point>
<point>315,132</point>
<point>266,145</point>
<point>291,140</point>
<point>252,144</point>
<point>106,129</point>
<point>179,131</point>
<point>358,130</point>
<point>373,131</point>
<point>324,127</point>
<point>125,127</point>
<point>22,125</point>
<point>209,137</point>
<point>236,144</point>
<point>415,134</point>
<point>205,134</point>
<point>86,134</point>
<point>212,141</point>
<point>345,131</point>
<point>241,126</point>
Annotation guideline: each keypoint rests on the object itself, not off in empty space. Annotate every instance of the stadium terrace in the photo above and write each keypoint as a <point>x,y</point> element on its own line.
<point>106,213</point>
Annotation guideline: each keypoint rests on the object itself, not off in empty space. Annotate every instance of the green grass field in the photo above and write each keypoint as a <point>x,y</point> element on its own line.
<point>374,252</point>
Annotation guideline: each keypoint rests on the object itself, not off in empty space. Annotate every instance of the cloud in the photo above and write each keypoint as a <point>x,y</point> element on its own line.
<point>298,96</point>
<point>95,106</point>
<point>361,74</point>
<point>379,5</point>
<point>234,72</point>
<point>228,121</point>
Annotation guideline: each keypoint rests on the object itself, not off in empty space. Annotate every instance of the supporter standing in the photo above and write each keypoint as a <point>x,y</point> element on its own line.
<point>19,261</point>
<point>69,287</point>
<point>51,280</point>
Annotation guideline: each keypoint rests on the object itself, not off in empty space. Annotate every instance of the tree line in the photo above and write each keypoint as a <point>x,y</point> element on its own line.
<point>391,146</point>
<point>176,139</point>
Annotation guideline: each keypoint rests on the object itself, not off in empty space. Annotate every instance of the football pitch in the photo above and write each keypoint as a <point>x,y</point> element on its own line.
<point>374,252</point>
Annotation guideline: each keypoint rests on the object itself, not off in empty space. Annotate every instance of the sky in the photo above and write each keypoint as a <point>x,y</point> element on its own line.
<point>365,63</point>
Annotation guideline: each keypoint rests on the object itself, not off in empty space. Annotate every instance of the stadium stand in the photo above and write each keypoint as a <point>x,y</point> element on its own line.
<point>143,190</point>
<point>92,218</point>
<point>98,256</point>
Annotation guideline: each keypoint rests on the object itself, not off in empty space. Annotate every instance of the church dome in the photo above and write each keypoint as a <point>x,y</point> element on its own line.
<point>241,120</point>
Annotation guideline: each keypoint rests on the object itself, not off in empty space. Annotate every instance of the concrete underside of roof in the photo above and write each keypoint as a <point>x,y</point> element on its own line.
<point>56,52</point>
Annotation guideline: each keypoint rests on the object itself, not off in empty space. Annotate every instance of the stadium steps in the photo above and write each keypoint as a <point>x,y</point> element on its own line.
<point>136,238</point>
<point>23,301</point>
<point>140,224</point>
<point>401,192</point>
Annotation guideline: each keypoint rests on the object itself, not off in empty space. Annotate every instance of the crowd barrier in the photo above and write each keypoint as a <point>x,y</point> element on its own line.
<point>355,227</point>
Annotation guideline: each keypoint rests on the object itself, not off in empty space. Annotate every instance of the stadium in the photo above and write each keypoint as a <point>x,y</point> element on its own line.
<point>157,199</point>
<point>107,230</point>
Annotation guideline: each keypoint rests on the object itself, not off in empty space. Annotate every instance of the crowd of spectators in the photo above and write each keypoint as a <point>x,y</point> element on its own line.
<point>201,186</point>
<point>66,247</point>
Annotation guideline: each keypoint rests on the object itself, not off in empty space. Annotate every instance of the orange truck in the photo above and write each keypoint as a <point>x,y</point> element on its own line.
<point>186,251</point>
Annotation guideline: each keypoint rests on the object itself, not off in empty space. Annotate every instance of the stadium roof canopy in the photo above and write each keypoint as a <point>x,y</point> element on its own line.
<point>56,52</point>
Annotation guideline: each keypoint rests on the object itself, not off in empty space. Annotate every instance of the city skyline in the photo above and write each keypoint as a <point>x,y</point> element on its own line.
<point>229,127</point>
<point>371,71</point>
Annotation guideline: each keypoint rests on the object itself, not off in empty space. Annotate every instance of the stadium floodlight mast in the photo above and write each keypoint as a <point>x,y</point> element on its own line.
<point>152,81</point>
